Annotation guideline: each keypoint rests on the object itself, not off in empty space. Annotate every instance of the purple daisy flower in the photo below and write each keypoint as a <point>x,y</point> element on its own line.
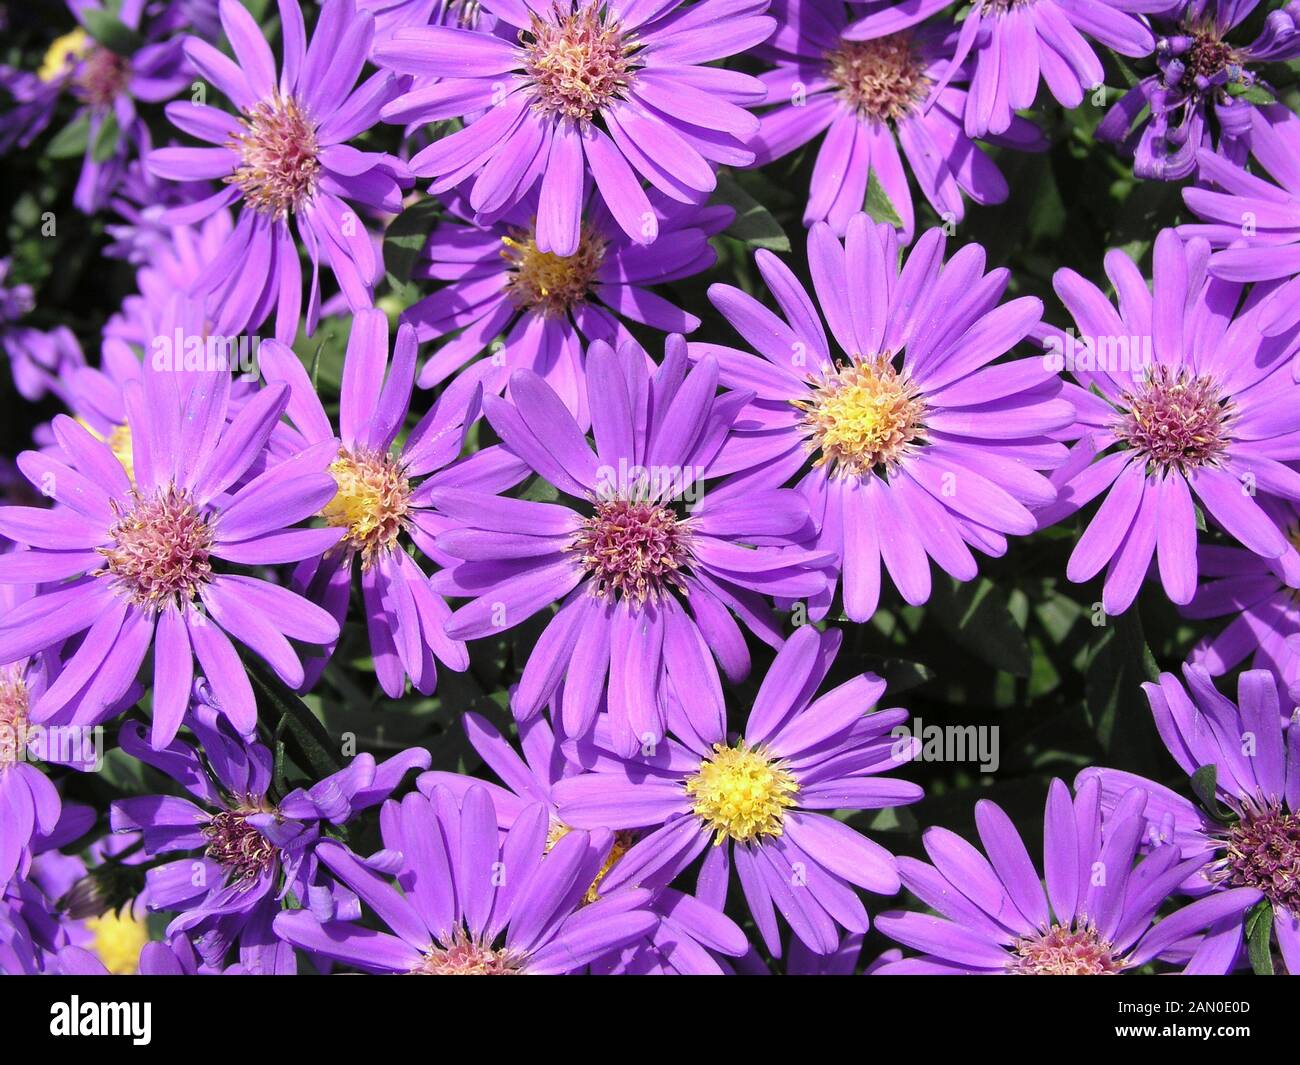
<point>687,931</point>
<point>756,799</point>
<point>546,306</point>
<point>909,446</point>
<point>457,915</point>
<point>382,498</point>
<point>994,917</point>
<point>648,561</point>
<point>1254,850</point>
<point>285,155</point>
<point>1255,222</point>
<point>1181,394</point>
<point>1165,119</point>
<point>254,851</point>
<point>139,563</point>
<point>618,91</point>
<point>872,96</point>
<point>1016,42</point>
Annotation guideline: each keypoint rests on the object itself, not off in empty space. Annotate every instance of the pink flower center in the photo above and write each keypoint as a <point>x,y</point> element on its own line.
<point>883,79</point>
<point>466,956</point>
<point>279,165</point>
<point>14,705</point>
<point>549,283</point>
<point>1176,421</point>
<point>578,62</point>
<point>237,845</point>
<point>1062,951</point>
<point>633,550</point>
<point>1263,852</point>
<point>103,76</point>
<point>160,552</point>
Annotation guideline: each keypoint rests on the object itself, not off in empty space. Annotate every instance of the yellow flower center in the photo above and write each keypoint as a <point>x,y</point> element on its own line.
<point>741,793</point>
<point>623,841</point>
<point>548,282</point>
<point>65,51</point>
<point>862,416</point>
<point>373,498</point>
<point>119,938</point>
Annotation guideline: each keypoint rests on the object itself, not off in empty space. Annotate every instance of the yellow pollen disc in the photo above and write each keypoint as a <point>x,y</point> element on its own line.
<point>118,440</point>
<point>623,841</point>
<point>372,501</point>
<point>62,53</point>
<point>119,938</point>
<point>862,416</point>
<point>741,793</point>
<point>548,282</point>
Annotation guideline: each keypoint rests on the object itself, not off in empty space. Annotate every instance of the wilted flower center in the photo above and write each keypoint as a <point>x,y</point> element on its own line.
<point>633,550</point>
<point>103,76</point>
<point>862,416</point>
<point>1200,60</point>
<point>1177,421</point>
<point>118,939</point>
<point>547,282</point>
<point>578,62</point>
<point>160,549</point>
<point>466,956</point>
<point>279,167</point>
<point>1263,852</point>
<point>14,705</point>
<point>237,845</point>
<point>1065,951</point>
<point>373,499</point>
<point>623,841</point>
<point>62,53</point>
<point>741,793</point>
<point>884,79</point>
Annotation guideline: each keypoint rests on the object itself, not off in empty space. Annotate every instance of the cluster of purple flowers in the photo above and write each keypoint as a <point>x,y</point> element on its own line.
<point>630,513</point>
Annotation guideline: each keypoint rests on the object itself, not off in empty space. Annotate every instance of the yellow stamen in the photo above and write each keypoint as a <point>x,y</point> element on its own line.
<point>65,51</point>
<point>742,793</point>
<point>119,938</point>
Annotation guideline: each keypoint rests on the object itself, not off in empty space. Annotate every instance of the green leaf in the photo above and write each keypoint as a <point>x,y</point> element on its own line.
<point>1259,937</point>
<point>406,236</point>
<point>879,206</point>
<point>753,224</point>
<point>110,32</point>
<point>71,140</point>
<point>1204,783</point>
<point>1255,94</point>
<point>290,716</point>
<point>106,140</point>
<point>976,614</point>
<point>1119,664</point>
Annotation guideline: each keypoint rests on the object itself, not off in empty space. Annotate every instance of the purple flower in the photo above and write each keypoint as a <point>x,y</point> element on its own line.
<point>254,851</point>
<point>382,498</point>
<point>1253,850</point>
<point>145,562</point>
<point>1014,44</point>
<point>1256,222</point>
<point>285,155</point>
<point>647,561</point>
<point>1096,917</point>
<point>618,91</point>
<point>908,446</point>
<point>1164,120</point>
<point>546,306</point>
<point>473,902</point>
<point>1181,393</point>
<point>756,799</point>
<point>872,96</point>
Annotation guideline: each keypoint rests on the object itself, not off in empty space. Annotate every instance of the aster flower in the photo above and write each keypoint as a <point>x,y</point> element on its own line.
<point>908,446</point>
<point>382,498</point>
<point>647,563</point>
<point>995,918</point>
<point>872,96</point>
<point>135,563</point>
<point>285,156</point>
<point>1255,222</point>
<point>548,306</point>
<point>756,799</point>
<point>238,853</point>
<point>1165,119</point>
<point>1182,396</point>
<point>1254,850</point>
<point>38,360</point>
<point>1014,43</point>
<point>456,915</point>
<point>617,91</point>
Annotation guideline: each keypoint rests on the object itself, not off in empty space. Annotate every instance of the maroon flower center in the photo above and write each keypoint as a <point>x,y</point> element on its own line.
<point>882,79</point>
<point>1065,951</point>
<point>1263,852</point>
<point>1208,57</point>
<point>578,62</point>
<point>103,76</point>
<point>14,705</point>
<point>160,551</point>
<point>1176,421</point>
<point>466,956</point>
<point>237,845</point>
<point>633,550</point>
<point>279,165</point>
